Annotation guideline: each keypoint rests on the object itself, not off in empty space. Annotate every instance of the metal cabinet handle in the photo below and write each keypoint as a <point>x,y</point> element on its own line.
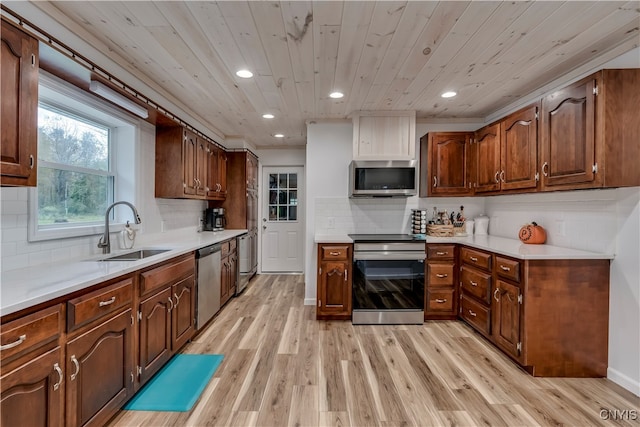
<point>56,367</point>
<point>334,253</point>
<point>497,176</point>
<point>170,302</point>
<point>75,362</point>
<point>179,297</point>
<point>505,268</point>
<point>20,340</point>
<point>345,275</point>
<point>107,302</point>
<point>441,301</point>
<point>545,169</point>
<point>474,259</point>
<point>495,296</point>
<point>502,176</point>
<point>441,253</point>
<point>473,283</point>
<point>31,161</point>
<point>473,313</point>
<point>442,276</point>
<point>435,181</point>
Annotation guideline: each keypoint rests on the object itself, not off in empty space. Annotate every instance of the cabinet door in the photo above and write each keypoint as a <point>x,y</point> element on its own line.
<point>448,159</point>
<point>506,320</point>
<point>519,138</point>
<point>212,172</point>
<point>222,173</point>
<point>155,333</point>
<point>568,135</point>
<point>183,312</point>
<point>224,280</point>
<point>202,161</point>
<point>19,107</point>
<point>189,154</point>
<point>487,159</point>
<point>100,371</point>
<point>32,394</point>
<point>233,273</point>
<point>334,289</point>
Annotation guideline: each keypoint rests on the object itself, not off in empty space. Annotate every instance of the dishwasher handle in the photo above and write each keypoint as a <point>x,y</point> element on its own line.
<point>209,250</point>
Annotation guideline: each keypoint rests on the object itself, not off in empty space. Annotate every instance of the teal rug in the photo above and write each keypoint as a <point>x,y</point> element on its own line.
<point>178,385</point>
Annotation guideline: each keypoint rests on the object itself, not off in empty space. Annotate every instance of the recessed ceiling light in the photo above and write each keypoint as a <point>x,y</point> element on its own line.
<point>245,74</point>
<point>268,116</point>
<point>449,94</point>
<point>279,135</point>
<point>336,95</point>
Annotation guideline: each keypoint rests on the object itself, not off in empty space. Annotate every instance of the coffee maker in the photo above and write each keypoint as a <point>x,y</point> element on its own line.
<point>214,219</point>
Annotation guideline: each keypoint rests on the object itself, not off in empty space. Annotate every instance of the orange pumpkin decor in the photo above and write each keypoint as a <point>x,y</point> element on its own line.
<point>533,233</point>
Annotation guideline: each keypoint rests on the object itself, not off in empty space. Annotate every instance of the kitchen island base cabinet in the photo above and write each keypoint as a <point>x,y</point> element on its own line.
<point>334,281</point>
<point>33,394</point>
<point>99,376</point>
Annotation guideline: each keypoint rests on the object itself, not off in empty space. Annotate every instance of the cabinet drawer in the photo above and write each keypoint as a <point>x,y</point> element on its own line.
<point>440,274</point>
<point>30,332</point>
<point>475,314</point>
<point>98,303</point>
<point>232,245</point>
<point>166,274</point>
<point>335,252</point>
<point>440,251</point>
<point>224,249</point>
<point>477,283</point>
<point>476,258</point>
<point>508,268</point>
<point>440,300</point>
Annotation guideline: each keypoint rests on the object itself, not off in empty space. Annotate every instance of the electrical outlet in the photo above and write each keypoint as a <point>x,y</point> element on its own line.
<point>331,222</point>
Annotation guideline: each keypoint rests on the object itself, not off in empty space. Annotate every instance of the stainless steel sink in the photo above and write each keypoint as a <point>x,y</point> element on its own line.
<point>136,255</point>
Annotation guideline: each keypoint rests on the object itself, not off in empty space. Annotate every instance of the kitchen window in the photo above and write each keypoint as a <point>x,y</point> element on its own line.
<point>85,148</point>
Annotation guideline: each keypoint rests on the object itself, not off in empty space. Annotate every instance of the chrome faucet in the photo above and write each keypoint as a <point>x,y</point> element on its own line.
<point>104,242</point>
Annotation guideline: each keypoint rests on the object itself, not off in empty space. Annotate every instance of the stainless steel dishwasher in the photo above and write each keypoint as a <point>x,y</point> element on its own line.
<point>209,275</point>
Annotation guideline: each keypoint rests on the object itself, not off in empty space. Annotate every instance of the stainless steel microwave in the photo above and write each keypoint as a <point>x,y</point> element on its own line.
<point>392,178</point>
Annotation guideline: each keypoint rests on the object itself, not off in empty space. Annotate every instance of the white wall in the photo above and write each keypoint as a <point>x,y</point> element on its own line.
<point>157,215</point>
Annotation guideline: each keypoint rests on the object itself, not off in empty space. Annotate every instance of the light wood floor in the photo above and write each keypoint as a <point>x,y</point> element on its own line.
<point>282,367</point>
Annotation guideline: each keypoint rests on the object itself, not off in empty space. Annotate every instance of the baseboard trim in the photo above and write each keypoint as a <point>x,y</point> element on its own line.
<point>309,301</point>
<point>624,381</point>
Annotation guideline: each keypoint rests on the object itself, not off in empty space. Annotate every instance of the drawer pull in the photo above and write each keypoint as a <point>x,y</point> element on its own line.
<point>504,268</point>
<point>334,253</point>
<point>442,253</point>
<point>472,313</point>
<point>56,386</point>
<point>441,300</point>
<point>442,276</point>
<point>75,362</point>
<point>107,302</point>
<point>171,303</point>
<point>473,283</point>
<point>16,343</point>
<point>495,296</point>
<point>345,275</point>
<point>474,259</point>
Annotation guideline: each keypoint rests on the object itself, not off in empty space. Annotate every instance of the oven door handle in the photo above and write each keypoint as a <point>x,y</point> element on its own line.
<point>389,256</point>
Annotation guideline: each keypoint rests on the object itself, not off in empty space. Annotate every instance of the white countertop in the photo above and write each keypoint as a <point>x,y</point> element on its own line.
<point>26,287</point>
<point>500,245</point>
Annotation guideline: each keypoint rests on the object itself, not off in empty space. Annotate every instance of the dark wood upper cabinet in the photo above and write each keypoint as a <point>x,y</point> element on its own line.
<point>568,135</point>
<point>19,107</point>
<point>486,159</point>
<point>590,132</point>
<point>519,149</point>
<point>446,156</point>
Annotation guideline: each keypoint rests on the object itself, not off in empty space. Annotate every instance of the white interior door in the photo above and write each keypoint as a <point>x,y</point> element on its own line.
<point>282,219</point>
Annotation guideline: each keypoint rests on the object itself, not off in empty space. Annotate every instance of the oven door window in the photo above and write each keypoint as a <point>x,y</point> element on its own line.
<point>388,285</point>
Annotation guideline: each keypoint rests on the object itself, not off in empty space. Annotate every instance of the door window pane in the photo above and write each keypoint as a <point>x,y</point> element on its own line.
<point>283,197</point>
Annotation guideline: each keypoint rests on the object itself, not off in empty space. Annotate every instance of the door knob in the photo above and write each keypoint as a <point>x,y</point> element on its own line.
<point>264,219</point>
<point>264,227</point>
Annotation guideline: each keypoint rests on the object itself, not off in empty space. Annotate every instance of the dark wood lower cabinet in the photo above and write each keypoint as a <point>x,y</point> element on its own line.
<point>506,317</point>
<point>334,281</point>
<point>155,333</point>
<point>33,393</point>
<point>99,377</point>
<point>183,313</point>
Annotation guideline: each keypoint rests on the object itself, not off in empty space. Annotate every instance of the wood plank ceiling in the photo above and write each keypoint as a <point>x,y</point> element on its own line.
<point>382,55</point>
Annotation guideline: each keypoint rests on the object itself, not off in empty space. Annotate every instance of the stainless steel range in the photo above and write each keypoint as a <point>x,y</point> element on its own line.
<point>388,279</point>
